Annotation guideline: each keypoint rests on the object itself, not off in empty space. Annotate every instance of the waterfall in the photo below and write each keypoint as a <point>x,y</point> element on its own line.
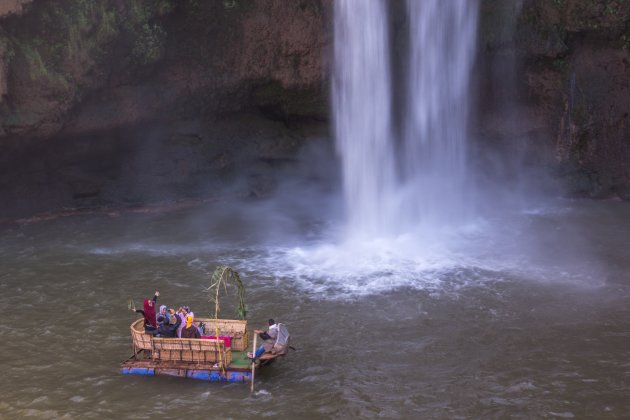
<point>419,180</point>
<point>362,105</point>
<point>442,47</point>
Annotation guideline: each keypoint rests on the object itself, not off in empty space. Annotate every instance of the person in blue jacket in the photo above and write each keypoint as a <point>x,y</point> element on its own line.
<point>166,329</point>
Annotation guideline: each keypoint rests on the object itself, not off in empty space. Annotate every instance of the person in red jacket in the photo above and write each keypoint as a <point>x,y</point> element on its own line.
<point>150,323</point>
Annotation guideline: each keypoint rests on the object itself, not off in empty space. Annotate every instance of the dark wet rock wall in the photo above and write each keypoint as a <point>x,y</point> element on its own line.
<point>110,102</point>
<point>566,107</point>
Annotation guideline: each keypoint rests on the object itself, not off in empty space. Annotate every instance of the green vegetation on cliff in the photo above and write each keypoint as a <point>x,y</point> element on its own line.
<point>55,49</point>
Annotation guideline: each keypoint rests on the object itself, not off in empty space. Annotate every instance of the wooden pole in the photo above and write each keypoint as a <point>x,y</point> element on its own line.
<point>253,362</point>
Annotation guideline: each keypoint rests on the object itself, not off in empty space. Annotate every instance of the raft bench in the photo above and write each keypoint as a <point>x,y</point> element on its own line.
<point>234,328</point>
<point>197,350</point>
<point>141,340</point>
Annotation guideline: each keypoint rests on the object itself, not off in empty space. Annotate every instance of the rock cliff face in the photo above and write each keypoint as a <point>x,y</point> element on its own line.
<point>115,102</point>
<point>64,62</point>
<point>571,93</point>
<point>8,7</point>
<point>109,102</point>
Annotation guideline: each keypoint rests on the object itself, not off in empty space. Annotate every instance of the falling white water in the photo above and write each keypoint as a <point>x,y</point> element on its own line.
<point>419,181</point>
<point>442,48</point>
<point>362,104</point>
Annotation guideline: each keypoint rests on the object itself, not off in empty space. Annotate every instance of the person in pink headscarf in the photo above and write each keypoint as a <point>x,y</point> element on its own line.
<point>182,312</point>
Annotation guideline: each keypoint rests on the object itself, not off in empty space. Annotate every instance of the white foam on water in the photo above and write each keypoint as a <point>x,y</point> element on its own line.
<point>564,415</point>
<point>360,268</point>
<point>155,249</point>
<point>435,260</point>
<point>262,392</point>
<point>522,386</point>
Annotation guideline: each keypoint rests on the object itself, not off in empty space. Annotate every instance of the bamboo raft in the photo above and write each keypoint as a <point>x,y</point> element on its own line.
<point>206,359</point>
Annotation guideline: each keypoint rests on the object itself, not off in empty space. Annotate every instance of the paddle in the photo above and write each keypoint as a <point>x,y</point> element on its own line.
<point>253,362</point>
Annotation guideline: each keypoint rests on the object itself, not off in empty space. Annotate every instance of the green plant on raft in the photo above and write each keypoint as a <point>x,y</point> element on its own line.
<point>223,277</point>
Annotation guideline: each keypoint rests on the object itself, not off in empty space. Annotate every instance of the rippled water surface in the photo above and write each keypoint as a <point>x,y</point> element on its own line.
<point>521,314</point>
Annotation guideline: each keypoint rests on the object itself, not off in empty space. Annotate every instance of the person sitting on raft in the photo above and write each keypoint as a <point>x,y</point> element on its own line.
<point>190,331</point>
<point>150,324</point>
<point>182,312</point>
<point>201,327</point>
<point>276,340</point>
<point>163,312</point>
<point>166,328</point>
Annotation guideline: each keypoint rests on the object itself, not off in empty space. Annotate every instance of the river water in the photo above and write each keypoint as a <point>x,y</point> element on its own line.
<point>523,314</point>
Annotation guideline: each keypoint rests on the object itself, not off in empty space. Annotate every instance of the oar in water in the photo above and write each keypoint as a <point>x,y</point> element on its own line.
<point>253,362</point>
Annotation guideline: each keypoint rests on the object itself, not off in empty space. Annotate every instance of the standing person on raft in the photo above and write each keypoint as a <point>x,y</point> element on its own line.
<point>276,340</point>
<point>150,322</point>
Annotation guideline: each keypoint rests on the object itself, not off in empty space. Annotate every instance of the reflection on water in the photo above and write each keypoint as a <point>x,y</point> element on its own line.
<point>522,314</point>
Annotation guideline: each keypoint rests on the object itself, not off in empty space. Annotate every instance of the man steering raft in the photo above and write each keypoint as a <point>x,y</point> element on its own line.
<point>276,340</point>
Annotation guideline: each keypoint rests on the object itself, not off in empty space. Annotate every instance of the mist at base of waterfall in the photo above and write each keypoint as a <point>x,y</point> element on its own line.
<point>304,246</point>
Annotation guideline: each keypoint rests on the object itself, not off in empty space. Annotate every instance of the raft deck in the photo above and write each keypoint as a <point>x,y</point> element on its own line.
<point>222,359</point>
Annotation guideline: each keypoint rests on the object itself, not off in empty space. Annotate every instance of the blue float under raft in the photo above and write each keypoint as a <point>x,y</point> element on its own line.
<point>238,370</point>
